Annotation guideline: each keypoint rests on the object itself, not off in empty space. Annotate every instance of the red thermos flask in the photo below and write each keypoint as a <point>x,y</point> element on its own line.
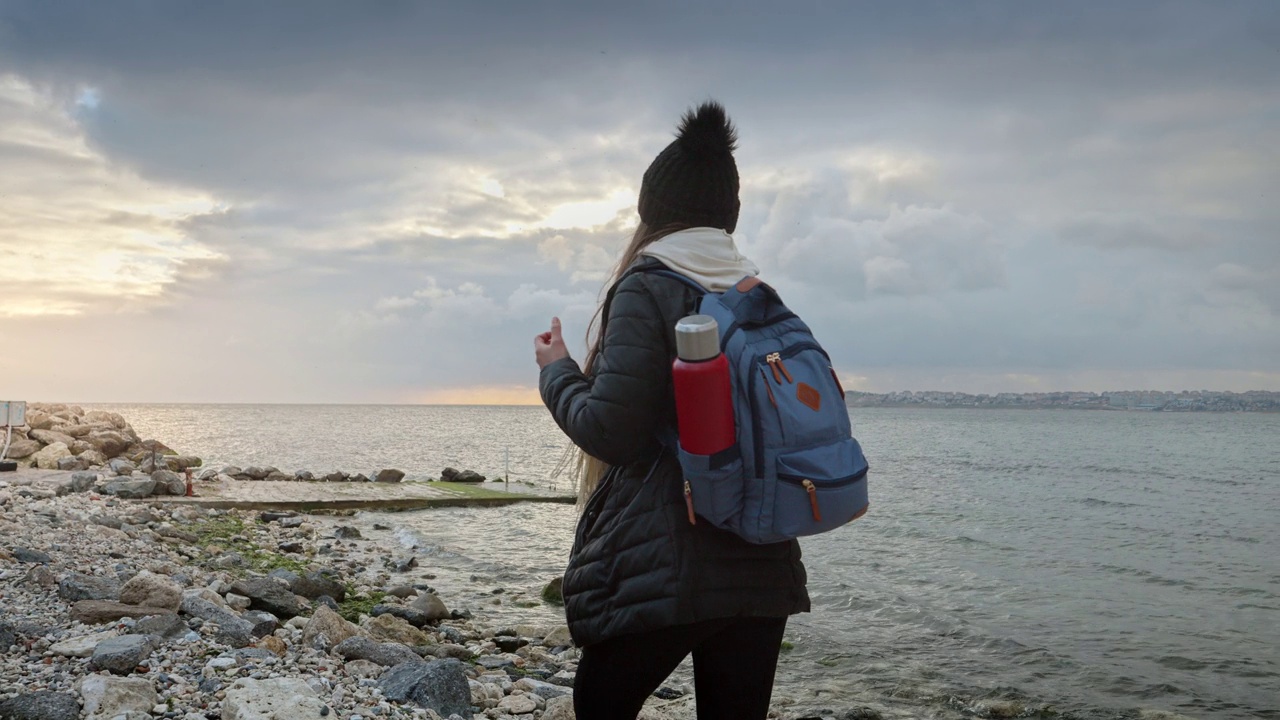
<point>704,398</point>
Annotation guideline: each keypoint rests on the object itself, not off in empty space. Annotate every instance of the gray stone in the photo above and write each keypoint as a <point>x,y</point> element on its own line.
<point>40,576</point>
<point>182,463</point>
<point>413,617</point>
<point>272,699</point>
<point>359,478</point>
<point>27,555</point>
<point>42,705</point>
<point>147,588</point>
<point>165,626</point>
<point>130,489</point>
<point>8,637</point>
<point>314,584</point>
<point>336,476</point>
<point>110,521</point>
<point>169,482</point>
<point>388,476</point>
<point>291,546</point>
<point>83,481</point>
<point>109,697</point>
<point>277,476</point>
<point>469,476</point>
<point>363,669</point>
<point>93,457</point>
<point>362,648</point>
<point>120,655</point>
<point>402,591</point>
<point>542,689</point>
<point>431,606</point>
<point>81,647</point>
<point>439,685</point>
<point>448,474</point>
<point>269,595</point>
<point>50,437</point>
<point>233,630</point>
<point>73,463</point>
<point>96,612</point>
<point>256,473</point>
<point>264,623</point>
<point>239,603</point>
<point>404,564</point>
<point>292,522</point>
<point>553,592</point>
<point>232,470</point>
<point>304,475</point>
<point>108,442</point>
<point>346,532</point>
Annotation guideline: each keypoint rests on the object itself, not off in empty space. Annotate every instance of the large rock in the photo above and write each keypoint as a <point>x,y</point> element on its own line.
<point>408,614</point>
<point>122,466</point>
<point>430,606</point>
<point>120,655</point>
<point>156,591</point>
<point>42,705</point>
<point>39,419</point>
<point>105,417</point>
<point>388,476</point>
<point>362,648</point>
<point>389,628</point>
<point>93,457</point>
<point>157,447</point>
<point>314,584</point>
<point>96,612</point>
<point>257,473</point>
<point>108,697</point>
<point>130,489</point>
<point>469,476</point>
<point>327,628</point>
<point>109,443</point>
<point>169,482</point>
<point>72,463</point>
<point>80,647</point>
<point>164,626</point>
<point>440,685</point>
<point>8,637</point>
<point>267,594</point>
<point>76,586</point>
<point>47,458</point>
<point>27,555</point>
<point>233,630</point>
<point>50,437</point>
<point>272,699</point>
<point>22,447</point>
<point>181,463</point>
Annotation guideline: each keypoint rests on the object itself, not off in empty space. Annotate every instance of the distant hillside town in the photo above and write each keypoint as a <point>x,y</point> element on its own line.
<point>1186,401</point>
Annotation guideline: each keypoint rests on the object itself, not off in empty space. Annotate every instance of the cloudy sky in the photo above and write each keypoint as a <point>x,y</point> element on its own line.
<point>384,202</point>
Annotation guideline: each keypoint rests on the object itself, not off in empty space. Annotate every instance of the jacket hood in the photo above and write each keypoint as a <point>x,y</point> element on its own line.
<point>706,255</point>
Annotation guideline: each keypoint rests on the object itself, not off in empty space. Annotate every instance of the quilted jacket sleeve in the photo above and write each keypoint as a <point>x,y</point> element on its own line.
<point>614,413</point>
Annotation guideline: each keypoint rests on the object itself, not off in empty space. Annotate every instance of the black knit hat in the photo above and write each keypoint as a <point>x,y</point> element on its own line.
<point>694,181</point>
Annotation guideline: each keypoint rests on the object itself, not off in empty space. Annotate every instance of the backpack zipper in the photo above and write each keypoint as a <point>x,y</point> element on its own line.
<point>813,499</point>
<point>768,389</point>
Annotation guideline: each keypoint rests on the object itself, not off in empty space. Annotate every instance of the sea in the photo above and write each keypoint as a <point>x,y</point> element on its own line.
<point>1087,564</point>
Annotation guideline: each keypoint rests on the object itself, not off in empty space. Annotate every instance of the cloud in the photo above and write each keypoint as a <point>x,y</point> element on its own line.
<point>79,232</point>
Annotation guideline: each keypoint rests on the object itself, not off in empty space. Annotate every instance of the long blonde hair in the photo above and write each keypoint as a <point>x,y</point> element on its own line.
<point>584,470</point>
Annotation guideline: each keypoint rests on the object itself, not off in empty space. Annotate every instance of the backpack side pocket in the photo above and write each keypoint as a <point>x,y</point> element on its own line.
<point>713,486</point>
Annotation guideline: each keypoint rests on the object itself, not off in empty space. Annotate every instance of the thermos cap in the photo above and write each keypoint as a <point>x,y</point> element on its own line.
<point>697,338</point>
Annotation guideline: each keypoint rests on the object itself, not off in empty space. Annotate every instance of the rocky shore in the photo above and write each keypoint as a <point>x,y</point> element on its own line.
<point>112,608</point>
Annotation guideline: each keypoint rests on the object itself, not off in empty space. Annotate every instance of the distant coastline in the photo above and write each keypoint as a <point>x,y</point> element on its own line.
<point>1145,401</point>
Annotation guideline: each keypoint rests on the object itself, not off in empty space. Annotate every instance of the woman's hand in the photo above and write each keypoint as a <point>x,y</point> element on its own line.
<point>549,346</point>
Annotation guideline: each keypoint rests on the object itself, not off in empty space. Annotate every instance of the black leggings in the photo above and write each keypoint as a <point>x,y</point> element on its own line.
<point>734,660</point>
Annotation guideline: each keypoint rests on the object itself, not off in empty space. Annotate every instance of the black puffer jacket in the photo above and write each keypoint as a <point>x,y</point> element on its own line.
<point>637,563</point>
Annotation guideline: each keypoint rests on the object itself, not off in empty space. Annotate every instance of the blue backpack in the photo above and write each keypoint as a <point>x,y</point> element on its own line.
<point>796,468</point>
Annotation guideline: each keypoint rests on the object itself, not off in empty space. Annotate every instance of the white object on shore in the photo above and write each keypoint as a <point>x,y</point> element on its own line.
<point>12,413</point>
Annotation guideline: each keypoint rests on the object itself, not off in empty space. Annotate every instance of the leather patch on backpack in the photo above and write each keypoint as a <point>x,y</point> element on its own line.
<point>809,396</point>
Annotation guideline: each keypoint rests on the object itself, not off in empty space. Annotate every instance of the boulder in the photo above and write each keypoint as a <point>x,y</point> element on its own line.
<point>388,476</point>
<point>93,457</point>
<point>27,555</point>
<point>264,623</point>
<point>346,532</point>
<point>38,419</point>
<point>41,705</point>
<point>49,437</point>
<point>314,584</point>
<point>121,466</point>
<point>336,476</point>
<point>120,655</point>
<point>326,629</point>
<point>553,593</point>
<point>304,475</point>
<point>109,443</point>
<point>448,474</point>
<point>559,637</point>
<point>267,594</point>
<point>48,457</point>
<point>389,628</point>
<point>363,669</point>
<point>257,473</point>
<point>8,637</point>
<point>359,478</point>
<point>105,417</point>
<point>560,708</point>
<point>156,591</point>
<point>542,689</point>
<point>109,697</point>
<point>76,586</point>
<point>272,699</point>
<point>130,489</point>
<point>72,463</point>
<point>163,626</point>
<point>387,654</point>
<point>96,612</point>
<point>169,482</point>
<point>182,463</point>
<point>22,447</point>
<point>80,647</point>
<point>157,447</point>
<point>239,603</point>
<point>430,605</point>
<point>277,476</point>
<point>469,476</point>
<point>408,614</point>
<point>232,629</point>
<point>439,685</point>
<point>404,563</point>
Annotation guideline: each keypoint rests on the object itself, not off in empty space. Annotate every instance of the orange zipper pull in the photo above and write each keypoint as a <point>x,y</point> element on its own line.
<point>836,377</point>
<point>768,389</point>
<point>688,502</point>
<point>784,371</point>
<point>772,358</point>
<point>813,499</point>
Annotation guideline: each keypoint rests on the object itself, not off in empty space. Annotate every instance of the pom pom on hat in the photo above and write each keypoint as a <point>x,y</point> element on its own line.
<point>694,180</point>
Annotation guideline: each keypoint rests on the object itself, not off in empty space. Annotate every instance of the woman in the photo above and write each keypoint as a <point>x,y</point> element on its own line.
<point>645,588</point>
